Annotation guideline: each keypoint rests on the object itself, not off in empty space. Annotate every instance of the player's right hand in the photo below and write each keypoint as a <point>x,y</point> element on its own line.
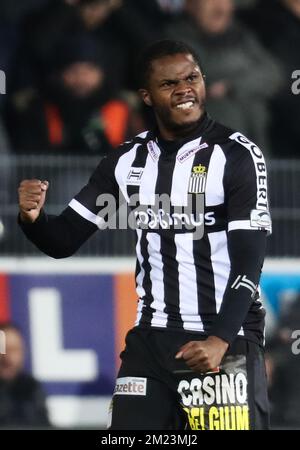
<point>32,195</point>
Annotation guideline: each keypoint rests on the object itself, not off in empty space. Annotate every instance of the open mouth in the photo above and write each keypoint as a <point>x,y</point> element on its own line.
<point>186,105</point>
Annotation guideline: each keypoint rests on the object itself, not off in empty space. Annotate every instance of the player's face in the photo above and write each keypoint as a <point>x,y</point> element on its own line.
<point>176,91</point>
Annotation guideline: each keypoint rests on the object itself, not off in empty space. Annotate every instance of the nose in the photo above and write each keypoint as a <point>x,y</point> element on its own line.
<point>183,88</point>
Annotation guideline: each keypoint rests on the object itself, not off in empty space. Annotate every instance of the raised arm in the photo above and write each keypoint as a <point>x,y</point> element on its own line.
<point>61,236</point>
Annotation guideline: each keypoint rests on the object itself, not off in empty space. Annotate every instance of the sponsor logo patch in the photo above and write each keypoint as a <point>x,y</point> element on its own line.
<point>243,281</point>
<point>182,157</point>
<point>260,219</point>
<point>260,168</point>
<point>135,175</point>
<point>153,150</point>
<point>217,401</point>
<point>131,386</point>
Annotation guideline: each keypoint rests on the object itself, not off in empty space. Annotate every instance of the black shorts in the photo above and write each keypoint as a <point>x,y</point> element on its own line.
<point>155,391</point>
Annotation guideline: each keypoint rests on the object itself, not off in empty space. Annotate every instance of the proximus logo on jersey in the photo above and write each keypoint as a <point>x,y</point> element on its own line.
<point>163,215</point>
<point>177,220</point>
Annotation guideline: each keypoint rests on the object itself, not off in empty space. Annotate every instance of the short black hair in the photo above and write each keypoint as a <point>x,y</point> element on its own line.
<point>157,50</point>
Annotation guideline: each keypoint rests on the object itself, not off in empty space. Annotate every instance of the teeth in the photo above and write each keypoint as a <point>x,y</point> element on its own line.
<point>185,105</point>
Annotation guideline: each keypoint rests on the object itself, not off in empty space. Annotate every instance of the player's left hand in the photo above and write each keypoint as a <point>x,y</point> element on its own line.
<point>203,356</point>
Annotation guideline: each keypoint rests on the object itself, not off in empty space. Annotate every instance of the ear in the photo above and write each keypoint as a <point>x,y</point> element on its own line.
<point>146,97</point>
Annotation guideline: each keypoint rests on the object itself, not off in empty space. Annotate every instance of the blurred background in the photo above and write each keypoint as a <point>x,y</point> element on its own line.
<point>68,68</point>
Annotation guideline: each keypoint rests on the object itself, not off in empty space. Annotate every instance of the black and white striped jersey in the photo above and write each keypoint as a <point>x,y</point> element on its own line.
<point>217,183</point>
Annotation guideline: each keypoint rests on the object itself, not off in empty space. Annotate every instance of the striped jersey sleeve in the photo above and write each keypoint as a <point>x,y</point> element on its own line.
<point>101,192</point>
<point>245,186</point>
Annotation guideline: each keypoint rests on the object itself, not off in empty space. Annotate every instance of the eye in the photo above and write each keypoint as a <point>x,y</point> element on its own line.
<point>192,77</point>
<point>167,83</point>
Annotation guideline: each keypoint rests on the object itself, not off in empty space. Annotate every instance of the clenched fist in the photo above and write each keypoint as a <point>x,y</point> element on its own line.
<point>32,195</point>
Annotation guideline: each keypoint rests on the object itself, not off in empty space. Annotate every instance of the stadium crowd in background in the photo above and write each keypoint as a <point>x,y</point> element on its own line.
<point>283,366</point>
<point>247,62</point>
<point>76,111</point>
<point>22,400</point>
<point>241,76</point>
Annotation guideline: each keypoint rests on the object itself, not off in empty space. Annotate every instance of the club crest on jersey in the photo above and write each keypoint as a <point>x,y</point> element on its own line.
<point>197,181</point>
<point>135,175</point>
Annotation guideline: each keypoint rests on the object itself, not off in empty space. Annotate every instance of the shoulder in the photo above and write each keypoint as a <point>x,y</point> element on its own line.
<point>243,158</point>
<point>138,139</point>
<point>238,146</point>
<point>245,163</point>
<point>128,146</point>
<point>234,144</point>
<point>114,156</point>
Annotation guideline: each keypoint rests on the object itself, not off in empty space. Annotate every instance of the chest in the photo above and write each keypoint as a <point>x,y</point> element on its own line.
<point>181,178</point>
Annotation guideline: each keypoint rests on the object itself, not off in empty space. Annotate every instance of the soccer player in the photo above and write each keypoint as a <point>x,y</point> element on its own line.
<point>194,358</point>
